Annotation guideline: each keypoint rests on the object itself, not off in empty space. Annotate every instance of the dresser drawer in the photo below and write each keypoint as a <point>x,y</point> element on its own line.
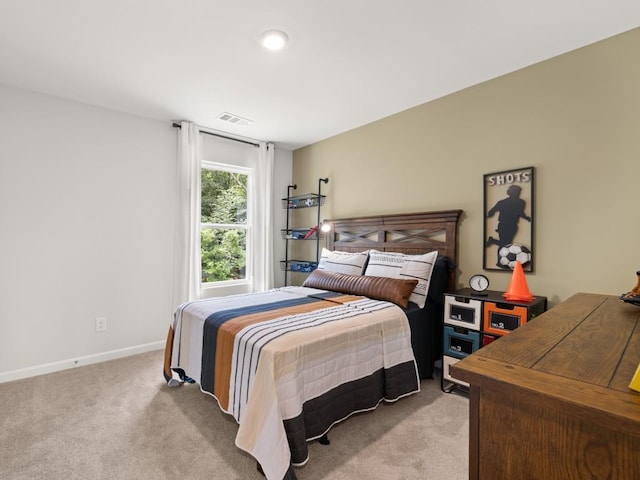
<point>462,312</point>
<point>460,342</point>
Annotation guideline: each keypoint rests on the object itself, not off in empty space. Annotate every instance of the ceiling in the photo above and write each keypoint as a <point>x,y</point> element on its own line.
<point>348,63</point>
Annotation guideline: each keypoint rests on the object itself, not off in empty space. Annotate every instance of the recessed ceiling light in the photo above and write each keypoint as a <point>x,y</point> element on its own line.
<point>274,39</point>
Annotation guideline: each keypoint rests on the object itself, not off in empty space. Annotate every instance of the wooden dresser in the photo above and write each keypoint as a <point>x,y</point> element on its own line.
<point>551,399</point>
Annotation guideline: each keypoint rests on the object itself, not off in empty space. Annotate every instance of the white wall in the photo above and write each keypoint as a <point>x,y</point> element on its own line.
<point>86,231</point>
<point>86,209</point>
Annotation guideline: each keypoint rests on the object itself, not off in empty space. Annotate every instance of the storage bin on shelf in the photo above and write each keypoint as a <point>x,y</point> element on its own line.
<point>299,234</point>
<point>460,342</point>
<point>463,312</point>
<point>298,266</point>
<point>447,362</point>
<point>308,200</point>
<point>502,318</point>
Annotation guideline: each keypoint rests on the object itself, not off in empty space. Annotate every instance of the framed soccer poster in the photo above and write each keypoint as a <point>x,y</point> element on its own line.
<point>508,220</point>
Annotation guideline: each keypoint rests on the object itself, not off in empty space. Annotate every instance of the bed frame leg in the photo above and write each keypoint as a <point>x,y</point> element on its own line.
<point>324,440</point>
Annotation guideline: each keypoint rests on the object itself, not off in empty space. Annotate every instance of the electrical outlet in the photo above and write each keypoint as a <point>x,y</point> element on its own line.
<point>101,324</point>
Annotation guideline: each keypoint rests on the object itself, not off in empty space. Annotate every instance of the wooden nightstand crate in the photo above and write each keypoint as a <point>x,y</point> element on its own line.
<point>473,320</point>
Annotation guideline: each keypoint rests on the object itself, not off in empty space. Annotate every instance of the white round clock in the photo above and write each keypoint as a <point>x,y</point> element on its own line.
<point>478,283</point>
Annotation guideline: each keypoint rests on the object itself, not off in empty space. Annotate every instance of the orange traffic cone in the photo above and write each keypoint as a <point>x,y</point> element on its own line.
<point>518,289</point>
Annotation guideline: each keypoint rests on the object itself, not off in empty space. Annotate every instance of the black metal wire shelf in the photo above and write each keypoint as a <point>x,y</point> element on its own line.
<point>307,200</point>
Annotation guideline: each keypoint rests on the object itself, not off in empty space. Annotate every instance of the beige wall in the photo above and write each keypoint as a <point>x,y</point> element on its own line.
<point>575,118</point>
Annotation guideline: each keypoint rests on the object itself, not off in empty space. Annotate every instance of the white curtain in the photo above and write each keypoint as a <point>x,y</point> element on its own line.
<point>262,251</point>
<point>187,267</point>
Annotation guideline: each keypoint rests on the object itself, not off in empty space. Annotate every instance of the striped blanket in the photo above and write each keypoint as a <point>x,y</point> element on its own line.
<point>286,364</point>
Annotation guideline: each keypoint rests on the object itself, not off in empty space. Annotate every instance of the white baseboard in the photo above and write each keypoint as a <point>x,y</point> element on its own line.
<point>78,362</point>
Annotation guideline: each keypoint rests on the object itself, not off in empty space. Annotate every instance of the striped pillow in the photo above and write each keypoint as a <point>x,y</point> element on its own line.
<point>399,265</point>
<point>343,262</point>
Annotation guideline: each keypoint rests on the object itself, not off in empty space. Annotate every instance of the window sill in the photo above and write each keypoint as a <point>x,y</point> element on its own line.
<point>220,289</point>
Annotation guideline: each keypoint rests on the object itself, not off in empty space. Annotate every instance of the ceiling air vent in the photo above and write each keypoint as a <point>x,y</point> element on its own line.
<point>235,119</point>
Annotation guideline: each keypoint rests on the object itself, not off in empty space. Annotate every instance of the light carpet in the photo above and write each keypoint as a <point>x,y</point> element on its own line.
<point>118,420</point>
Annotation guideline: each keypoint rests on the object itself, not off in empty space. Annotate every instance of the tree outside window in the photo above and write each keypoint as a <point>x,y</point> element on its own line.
<point>224,225</point>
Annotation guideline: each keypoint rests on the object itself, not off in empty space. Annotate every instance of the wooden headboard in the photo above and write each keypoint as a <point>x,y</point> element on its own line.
<point>410,233</point>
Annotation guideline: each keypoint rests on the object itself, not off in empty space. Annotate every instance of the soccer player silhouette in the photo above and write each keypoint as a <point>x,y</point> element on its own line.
<point>511,210</point>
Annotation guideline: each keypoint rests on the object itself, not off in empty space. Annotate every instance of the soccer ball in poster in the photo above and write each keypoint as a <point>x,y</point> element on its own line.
<point>512,253</point>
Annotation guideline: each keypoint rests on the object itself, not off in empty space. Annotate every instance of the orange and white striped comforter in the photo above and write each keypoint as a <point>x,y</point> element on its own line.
<point>281,360</point>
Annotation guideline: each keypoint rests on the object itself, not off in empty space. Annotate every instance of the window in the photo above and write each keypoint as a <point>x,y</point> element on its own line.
<point>224,221</point>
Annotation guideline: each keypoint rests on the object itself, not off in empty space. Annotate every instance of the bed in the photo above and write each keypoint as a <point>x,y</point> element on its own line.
<point>411,234</point>
<point>339,344</point>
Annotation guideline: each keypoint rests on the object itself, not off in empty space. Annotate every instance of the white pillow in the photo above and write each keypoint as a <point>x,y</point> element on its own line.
<point>399,265</point>
<point>343,262</point>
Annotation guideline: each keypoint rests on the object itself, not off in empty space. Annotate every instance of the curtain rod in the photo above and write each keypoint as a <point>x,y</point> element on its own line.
<point>177,125</point>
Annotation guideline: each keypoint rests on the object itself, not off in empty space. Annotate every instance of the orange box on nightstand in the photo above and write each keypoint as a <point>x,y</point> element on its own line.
<point>501,318</point>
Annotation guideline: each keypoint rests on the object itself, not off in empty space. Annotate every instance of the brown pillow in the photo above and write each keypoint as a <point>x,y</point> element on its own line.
<point>393,290</point>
